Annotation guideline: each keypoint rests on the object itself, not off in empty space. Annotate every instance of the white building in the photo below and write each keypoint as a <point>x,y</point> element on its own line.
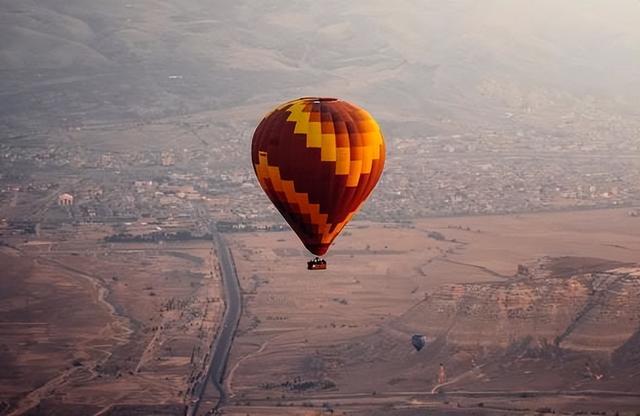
<point>65,200</point>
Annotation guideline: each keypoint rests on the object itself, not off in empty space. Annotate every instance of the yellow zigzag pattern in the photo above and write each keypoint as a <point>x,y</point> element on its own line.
<point>360,162</point>
<point>272,173</point>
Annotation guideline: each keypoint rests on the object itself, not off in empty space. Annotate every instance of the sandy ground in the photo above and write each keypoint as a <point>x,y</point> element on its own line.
<point>311,334</point>
<point>93,327</point>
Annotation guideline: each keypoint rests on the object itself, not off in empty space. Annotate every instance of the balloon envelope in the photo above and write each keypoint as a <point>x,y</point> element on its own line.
<point>318,159</point>
<point>418,341</point>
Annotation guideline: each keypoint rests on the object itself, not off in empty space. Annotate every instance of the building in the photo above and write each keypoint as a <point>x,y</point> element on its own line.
<point>167,159</point>
<point>65,200</point>
<point>442,374</point>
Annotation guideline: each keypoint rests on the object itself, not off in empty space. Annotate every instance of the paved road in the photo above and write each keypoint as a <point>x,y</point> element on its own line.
<point>222,345</point>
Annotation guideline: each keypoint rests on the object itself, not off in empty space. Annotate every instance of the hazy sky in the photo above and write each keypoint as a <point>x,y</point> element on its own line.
<point>401,56</point>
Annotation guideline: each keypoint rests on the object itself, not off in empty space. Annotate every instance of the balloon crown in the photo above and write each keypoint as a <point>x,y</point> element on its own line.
<point>318,99</point>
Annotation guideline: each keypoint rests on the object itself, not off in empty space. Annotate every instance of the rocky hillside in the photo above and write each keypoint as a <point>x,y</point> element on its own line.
<point>559,324</point>
<point>415,63</point>
<point>596,309</point>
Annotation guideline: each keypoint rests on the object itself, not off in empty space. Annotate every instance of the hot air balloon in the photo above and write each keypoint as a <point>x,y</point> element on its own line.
<point>418,341</point>
<point>318,159</point>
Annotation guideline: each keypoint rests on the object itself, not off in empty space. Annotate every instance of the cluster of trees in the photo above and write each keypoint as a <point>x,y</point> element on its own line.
<point>155,237</point>
<point>297,384</point>
<point>24,227</point>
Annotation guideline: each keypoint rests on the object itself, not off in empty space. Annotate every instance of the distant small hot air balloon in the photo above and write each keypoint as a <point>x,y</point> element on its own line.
<point>418,341</point>
<point>318,159</point>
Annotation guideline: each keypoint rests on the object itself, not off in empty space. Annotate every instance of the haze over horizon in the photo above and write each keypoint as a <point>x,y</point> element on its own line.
<point>410,61</point>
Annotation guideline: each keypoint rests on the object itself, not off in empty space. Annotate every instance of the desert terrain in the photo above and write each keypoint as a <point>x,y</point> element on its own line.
<point>511,339</point>
<point>92,327</point>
